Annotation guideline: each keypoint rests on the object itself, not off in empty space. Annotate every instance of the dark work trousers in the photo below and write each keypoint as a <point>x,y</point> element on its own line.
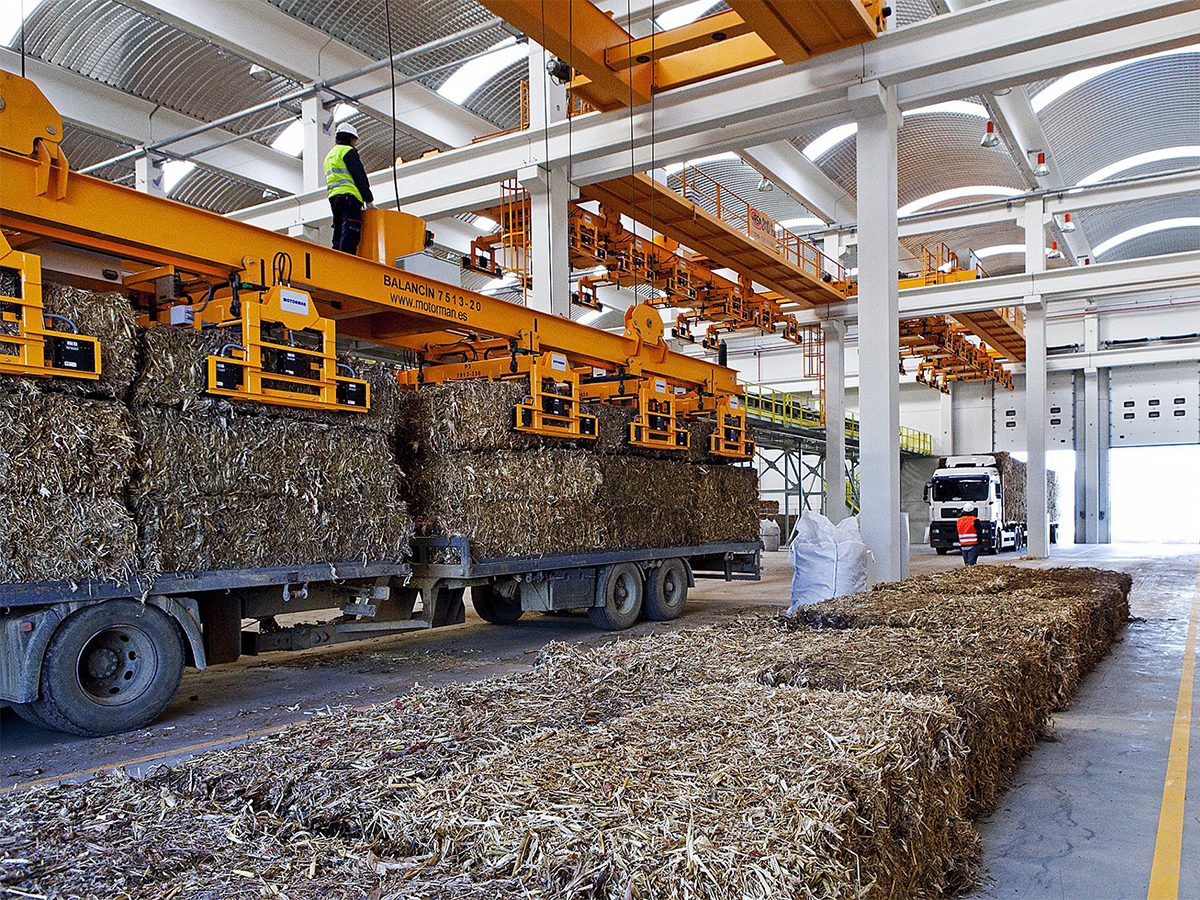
<point>970,555</point>
<point>347,222</point>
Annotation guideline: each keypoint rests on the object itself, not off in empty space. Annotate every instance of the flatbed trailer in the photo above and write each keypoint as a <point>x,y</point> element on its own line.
<point>103,656</point>
<point>100,657</point>
<point>616,587</point>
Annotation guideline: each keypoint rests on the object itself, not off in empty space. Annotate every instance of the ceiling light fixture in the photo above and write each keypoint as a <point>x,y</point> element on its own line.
<point>1054,253</point>
<point>1041,170</point>
<point>990,138</point>
<point>1067,225</point>
<point>260,73</point>
<point>764,185</point>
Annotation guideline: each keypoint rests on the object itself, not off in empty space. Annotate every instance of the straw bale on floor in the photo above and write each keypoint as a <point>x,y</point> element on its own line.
<point>1076,612</point>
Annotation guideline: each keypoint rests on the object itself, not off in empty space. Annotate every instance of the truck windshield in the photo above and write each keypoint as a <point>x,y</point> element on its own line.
<point>949,489</point>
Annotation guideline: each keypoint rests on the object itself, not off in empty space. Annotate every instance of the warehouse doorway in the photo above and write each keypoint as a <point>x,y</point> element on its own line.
<point>1154,494</point>
<point>1062,464</point>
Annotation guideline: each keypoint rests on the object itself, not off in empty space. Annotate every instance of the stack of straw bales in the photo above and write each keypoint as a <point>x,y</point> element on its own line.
<point>516,494</point>
<point>235,484</point>
<point>67,452</point>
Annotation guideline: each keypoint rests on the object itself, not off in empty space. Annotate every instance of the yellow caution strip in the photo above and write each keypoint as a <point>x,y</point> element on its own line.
<point>1168,846</point>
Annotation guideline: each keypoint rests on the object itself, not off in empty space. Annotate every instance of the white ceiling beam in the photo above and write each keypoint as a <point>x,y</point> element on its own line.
<point>948,56</point>
<point>130,119</point>
<point>802,179</point>
<point>282,43</point>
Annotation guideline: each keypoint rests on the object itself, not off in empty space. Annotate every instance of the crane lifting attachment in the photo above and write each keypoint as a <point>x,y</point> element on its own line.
<point>190,267</point>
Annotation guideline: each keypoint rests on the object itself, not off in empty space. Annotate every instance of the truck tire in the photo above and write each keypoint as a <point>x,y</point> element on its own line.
<point>494,607</point>
<point>27,712</point>
<point>619,590</point>
<point>666,591</point>
<point>108,668</point>
<point>942,551</point>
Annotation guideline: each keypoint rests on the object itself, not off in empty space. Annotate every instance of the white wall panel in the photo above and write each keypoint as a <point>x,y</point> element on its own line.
<point>1154,405</point>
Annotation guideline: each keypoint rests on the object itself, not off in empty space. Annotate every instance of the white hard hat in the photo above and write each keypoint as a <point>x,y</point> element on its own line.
<point>968,507</point>
<point>347,128</point>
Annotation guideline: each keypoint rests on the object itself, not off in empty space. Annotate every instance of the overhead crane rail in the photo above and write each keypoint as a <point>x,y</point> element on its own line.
<point>194,268</point>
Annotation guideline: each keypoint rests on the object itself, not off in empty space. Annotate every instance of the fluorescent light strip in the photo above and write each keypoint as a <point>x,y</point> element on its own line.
<point>973,190</point>
<point>471,76</point>
<point>12,14</point>
<point>684,15</point>
<point>1068,83</point>
<point>174,171</point>
<point>1142,230</point>
<point>1141,159</point>
<point>821,145</point>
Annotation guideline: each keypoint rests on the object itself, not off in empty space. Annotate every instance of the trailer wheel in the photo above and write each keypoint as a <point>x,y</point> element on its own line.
<point>27,712</point>
<point>666,591</point>
<point>494,607</point>
<point>109,668</point>
<point>619,588</point>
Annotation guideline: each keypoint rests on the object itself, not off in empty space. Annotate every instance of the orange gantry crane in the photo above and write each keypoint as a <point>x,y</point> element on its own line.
<point>176,258</point>
<point>610,68</point>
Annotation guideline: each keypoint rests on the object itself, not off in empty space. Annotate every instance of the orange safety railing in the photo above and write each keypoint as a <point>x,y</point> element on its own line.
<point>730,207</point>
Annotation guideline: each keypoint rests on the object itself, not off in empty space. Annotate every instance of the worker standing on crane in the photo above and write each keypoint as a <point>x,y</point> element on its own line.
<point>968,534</point>
<point>349,190</point>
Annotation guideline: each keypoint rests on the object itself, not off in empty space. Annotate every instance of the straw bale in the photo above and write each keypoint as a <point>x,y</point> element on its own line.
<point>238,531</point>
<point>106,316</point>
<point>726,504</point>
<point>531,502</point>
<point>477,415</point>
<point>474,415</point>
<point>724,791</point>
<point>65,537</point>
<point>162,836</point>
<point>175,373</point>
<point>59,443</point>
<point>186,454</point>
<point>510,503</point>
<point>1076,612</point>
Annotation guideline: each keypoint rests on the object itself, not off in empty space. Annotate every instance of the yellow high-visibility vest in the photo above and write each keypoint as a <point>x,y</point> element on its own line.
<point>337,177</point>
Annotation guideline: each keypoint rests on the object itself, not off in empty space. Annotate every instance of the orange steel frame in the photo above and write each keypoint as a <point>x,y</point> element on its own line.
<point>43,201</point>
<point>613,69</point>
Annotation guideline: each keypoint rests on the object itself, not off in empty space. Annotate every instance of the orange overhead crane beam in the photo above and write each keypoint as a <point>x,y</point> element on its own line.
<point>613,69</point>
<point>42,200</point>
<point>799,29</point>
<point>801,280</point>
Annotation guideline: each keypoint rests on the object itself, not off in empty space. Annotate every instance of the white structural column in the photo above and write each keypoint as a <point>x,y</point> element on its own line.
<point>878,327</point>
<point>317,123</point>
<point>1035,385</point>
<point>1092,505</point>
<point>835,419</point>
<point>148,175</point>
<point>549,196</point>
<point>318,141</point>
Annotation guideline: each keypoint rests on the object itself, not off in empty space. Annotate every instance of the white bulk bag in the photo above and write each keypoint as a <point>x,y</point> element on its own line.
<point>827,560</point>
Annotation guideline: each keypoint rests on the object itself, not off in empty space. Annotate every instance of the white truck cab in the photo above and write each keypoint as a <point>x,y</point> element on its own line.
<point>975,479</point>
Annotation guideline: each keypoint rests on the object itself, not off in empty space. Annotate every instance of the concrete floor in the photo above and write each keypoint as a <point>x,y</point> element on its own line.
<point>1079,822</point>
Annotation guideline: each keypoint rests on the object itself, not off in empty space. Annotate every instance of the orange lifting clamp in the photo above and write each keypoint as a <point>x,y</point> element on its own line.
<point>39,351</point>
<point>553,405</point>
<point>729,439</point>
<point>286,357</point>
<point>657,422</point>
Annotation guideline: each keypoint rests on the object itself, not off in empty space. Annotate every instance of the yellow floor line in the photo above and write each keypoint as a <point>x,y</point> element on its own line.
<point>1168,846</point>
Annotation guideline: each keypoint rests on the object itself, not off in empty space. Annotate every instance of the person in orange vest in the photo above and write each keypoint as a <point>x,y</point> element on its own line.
<point>968,534</point>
